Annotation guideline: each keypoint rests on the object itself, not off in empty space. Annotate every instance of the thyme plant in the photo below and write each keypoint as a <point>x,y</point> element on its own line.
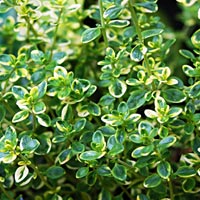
<point>99,100</point>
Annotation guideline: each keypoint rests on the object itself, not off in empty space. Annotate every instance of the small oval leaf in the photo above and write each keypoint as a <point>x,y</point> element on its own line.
<point>55,172</point>
<point>90,34</point>
<point>91,155</point>
<point>152,181</point>
<point>164,169</point>
<point>119,172</point>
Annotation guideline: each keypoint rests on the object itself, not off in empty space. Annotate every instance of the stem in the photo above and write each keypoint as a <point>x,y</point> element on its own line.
<point>34,122</point>
<point>139,33</point>
<point>128,166</point>
<point>103,23</point>
<point>55,33</point>
<point>35,168</point>
<point>30,26</point>
<point>135,21</point>
<point>8,3</point>
<point>5,192</point>
<point>171,190</point>
<point>126,192</point>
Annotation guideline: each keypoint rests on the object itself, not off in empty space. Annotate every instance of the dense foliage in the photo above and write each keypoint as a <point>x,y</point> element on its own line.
<point>99,100</point>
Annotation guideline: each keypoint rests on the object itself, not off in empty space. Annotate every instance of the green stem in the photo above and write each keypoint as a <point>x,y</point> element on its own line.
<point>135,21</point>
<point>34,122</point>
<point>128,166</point>
<point>139,33</point>
<point>103,23</point>
<point>55,33</point>
<point>171,190</point>
<point>30,26</point>
<point>7,106</point>
<point>126,192</point>
<point>35,168</point>
<point>8,3</point>
<point>5,192</point>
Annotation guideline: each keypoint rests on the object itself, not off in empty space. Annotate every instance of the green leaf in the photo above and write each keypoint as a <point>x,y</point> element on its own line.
<point>138,52</point>
<point>136,99</point>
<point>117,148</point>
<point>142,197</point>
<point>145,127</point>
<point>152,181</point>
<point>73,8</point>
<point>187,54</point>
<point>91,155</point>
<point>188,184</point>
<point>190,71</point>
<point>163,131</point>
<point>21,173</point>
<point>44,120</point>
<point>55,172</point>
<point>7,157</point>
<point>90,34</point>
<point>20,116</point>
<point>147,7</point>
<point>174,111</point>
<point>187,3</point>
<point>45,145</point>
<point>80,124</point>
<point>38,76</point>
<point>19,92</point>
<point>136,138</point>
<point>129,32</point>
<point>117,89</point>
<point>123,108</point>
<point>112,12</point>
<point>60,72</point>
<point>5,59</point>
<point>196,145</point>
<point>106,100</point>
<point>64,156</point>
<point>119,23</point>
<point>98,137</point>
<point>151,32</point>
<point>28,145</point>
<point>94,109</point>
<point>119,172</point>
<point>77,147</point>
<point>185,172</point>
<point>39,107</point>
<point>107,130</point>
<point>112,120</point>
<point>142,151</point>
<point>196,39</point>
<point>195,90</point>
<point>189,128</point>
<point>105,195</point>
<point>90,90</point>
<point>98,141</point>
<point>59,57</point>
<point>10,137</point>
<point>91,178</point>
<point>82,172</point>
<point>4,7</point>
<point>42,87</point>
<point>164,169</point>
<point>104,170</point>
<point>174,95</point>
<point>167,142</point>
<point>37,56</point>
<point>133,118</point>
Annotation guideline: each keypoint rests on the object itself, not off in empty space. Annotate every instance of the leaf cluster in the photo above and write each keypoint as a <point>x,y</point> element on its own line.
<point>91,105</point>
